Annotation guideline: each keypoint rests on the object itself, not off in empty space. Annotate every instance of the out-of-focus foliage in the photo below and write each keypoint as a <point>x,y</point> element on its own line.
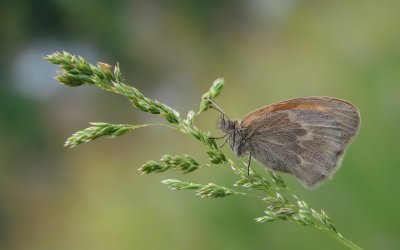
<point>52,197</point>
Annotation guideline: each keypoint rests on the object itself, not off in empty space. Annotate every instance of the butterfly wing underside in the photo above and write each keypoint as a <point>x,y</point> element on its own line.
<point>306,137</point>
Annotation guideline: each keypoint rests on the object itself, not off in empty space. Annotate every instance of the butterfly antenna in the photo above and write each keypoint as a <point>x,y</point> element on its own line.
<point>216,107</point>
<point>248,166</point>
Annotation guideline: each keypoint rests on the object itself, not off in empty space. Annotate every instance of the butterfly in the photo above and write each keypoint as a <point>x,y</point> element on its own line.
<point>306,137</point>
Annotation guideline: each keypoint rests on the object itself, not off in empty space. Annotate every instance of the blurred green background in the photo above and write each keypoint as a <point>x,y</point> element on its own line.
<point>92,197</point>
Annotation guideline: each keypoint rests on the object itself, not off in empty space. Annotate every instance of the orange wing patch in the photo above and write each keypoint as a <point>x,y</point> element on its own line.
<point>306,103</point>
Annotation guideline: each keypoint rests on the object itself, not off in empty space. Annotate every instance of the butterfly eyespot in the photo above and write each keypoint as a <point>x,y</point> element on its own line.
<point>338,152</point>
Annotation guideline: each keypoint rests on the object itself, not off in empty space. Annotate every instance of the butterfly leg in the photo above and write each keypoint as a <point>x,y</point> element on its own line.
<point>217,138</point>
<point>221,137</point>
<point>248,165</point>
<point>223,144</point>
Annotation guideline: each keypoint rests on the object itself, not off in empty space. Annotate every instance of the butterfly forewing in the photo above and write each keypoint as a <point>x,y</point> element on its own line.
<point>304,136</point>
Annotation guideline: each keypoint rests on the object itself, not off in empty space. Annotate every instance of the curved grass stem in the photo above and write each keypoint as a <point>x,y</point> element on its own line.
<point>76,71</point>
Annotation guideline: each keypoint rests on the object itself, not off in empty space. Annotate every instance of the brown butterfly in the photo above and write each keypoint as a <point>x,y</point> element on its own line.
<point>306,137</point>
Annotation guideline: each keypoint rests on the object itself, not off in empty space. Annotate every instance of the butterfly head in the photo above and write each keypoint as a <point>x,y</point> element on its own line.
<point>226,125</point>
<point>236,135</point>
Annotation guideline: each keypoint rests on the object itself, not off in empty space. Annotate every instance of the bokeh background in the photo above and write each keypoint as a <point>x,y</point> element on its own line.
<point>92,197</point>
